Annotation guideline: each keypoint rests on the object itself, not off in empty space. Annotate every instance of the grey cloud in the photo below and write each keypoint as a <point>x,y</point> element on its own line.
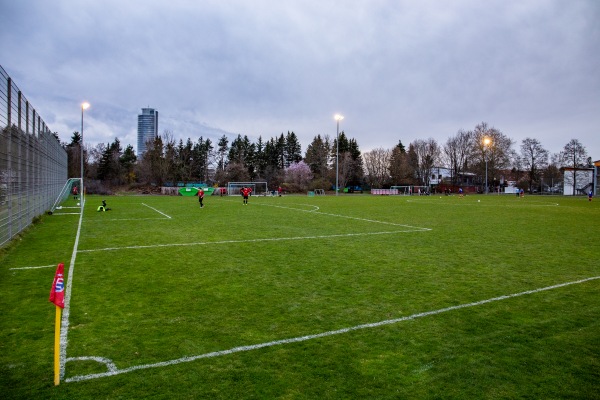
<point>398,70</point>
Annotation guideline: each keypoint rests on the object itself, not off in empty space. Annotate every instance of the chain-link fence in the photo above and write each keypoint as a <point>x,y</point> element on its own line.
<point>33,164</point>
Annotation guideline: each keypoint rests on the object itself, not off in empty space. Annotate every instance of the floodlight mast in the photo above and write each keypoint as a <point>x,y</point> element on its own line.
<point>84,106</point>
<point>486,143</point>
<point>338,118</point>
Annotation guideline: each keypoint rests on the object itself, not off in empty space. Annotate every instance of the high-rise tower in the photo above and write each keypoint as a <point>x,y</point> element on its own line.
<point>147,129</point>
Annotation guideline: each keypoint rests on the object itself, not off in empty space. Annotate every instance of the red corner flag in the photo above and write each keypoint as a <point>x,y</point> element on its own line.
<point>57,293</point>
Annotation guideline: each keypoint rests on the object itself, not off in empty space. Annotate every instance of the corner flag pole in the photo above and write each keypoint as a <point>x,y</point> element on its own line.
<point>57,296</point>
<point>57,347</point>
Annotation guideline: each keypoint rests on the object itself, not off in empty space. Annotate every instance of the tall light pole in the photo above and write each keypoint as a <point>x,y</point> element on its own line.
<point>338,118</point>
<point>486,143</point>
<point>84,106</point>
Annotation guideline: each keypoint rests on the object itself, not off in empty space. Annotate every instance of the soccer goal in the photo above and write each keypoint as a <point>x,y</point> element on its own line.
<point>258,188</point>
<point>403,190</point>
<point>63,201</point>
<point>421,190</point>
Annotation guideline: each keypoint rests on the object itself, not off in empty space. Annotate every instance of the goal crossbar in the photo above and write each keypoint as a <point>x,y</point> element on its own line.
<point>258,188</point>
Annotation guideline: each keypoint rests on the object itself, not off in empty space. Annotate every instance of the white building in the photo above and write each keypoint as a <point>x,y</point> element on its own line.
<point>582,179</point>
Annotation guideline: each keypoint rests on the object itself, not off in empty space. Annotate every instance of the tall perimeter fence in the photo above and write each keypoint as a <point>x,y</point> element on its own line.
<point>33,164</point>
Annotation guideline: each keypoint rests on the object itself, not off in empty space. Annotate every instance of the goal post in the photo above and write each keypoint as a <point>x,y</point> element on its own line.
<point>64,200</point>
<point>412,190</point>
<point>258,188</point>
<point>421,190</point>
<point>403,190</point>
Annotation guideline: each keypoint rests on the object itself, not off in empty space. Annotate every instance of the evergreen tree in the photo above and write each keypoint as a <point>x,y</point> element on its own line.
<point>293,150</point>
<point>317,156</point>
<point>74,156</point>
<point>222,152</point>
<point>127,162</point>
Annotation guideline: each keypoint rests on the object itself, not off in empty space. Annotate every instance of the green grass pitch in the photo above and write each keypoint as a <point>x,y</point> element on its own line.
<point>298,297</point>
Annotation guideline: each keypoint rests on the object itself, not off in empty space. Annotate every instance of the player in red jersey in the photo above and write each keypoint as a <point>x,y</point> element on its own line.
<point>245,191</point>
<point>201,197</point>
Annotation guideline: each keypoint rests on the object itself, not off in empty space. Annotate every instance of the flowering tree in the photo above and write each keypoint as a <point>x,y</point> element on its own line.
<point>298,173</point>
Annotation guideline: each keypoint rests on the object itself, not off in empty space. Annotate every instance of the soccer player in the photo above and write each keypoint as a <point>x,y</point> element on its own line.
<point>245,193</point>
<point>590,195</point>
<point>201,197</point>
<point>75,192</point>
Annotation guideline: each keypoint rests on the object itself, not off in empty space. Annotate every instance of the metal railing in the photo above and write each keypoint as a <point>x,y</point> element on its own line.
<point>33,164</point>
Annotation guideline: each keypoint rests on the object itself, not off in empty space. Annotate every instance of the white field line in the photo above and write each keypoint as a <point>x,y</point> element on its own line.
<point>126,219</point>
<point>160,212</point>
<point>41,266</point>
<point>112,369</point>
<point>470,202</point>
<point>64,326</point>
<point>342,216</point>
<point>66,311</point>
<point>254,240</point>
<point>55,213</point>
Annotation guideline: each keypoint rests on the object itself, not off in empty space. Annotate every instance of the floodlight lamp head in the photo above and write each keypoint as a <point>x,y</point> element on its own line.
<point>338,117</point>
<point>85,105</point>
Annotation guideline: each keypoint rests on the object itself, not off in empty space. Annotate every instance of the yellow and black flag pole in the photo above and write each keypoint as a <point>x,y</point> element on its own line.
<point>57,296</point>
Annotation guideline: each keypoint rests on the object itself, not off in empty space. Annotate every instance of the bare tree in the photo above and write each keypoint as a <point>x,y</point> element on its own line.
<point>377,163</point>
<point>427,155</point>
<point>345,168</point>
<point>457,152</point>
<point>534,158</point>
<point>491,147</point>
<point>574,155</point>
<point>552,174</point>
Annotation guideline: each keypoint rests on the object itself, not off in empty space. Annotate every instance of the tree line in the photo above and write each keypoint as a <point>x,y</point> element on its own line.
<point>280,161</point>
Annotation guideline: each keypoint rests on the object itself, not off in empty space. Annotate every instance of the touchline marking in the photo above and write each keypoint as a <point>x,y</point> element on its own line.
<point>42,266</point>
<point>64,326</point>
<point>254,240</point>
<point>160,212</point>
<point>113,370</point>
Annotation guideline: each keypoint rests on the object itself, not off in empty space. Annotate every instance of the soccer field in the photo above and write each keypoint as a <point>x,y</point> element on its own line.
<point>309,297</point>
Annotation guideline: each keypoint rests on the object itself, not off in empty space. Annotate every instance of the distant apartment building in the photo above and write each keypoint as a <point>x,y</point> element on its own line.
<point>147,129</point>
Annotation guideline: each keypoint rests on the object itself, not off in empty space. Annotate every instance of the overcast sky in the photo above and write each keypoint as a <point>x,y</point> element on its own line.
<point>396,69</point>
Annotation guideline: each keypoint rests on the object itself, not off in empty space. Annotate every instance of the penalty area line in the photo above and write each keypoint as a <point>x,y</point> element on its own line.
<point>316,211</point>
<point>112,370</point>
<point>160,212</point>
<point>153,246</point>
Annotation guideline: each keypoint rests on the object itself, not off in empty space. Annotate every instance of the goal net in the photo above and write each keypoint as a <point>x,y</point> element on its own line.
<point>258,188</point>
<point>403,190</point>
<point>421,190</point>
<point>69,200</point>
